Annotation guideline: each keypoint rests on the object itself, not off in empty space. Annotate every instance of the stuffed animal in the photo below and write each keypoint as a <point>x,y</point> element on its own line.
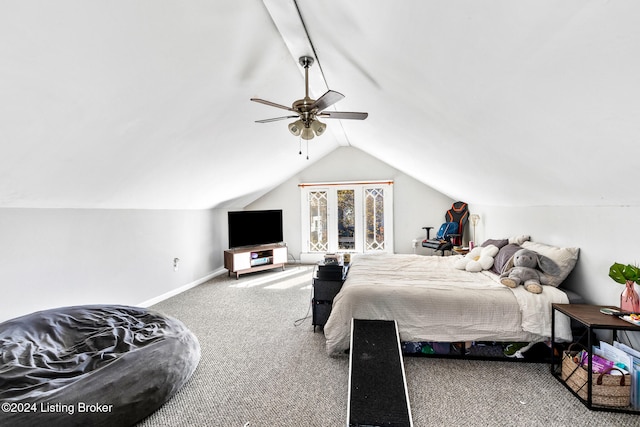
<point>478,259</point>
<point>524,271</point>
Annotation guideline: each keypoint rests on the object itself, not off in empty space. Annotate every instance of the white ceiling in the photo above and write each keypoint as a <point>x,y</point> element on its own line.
<point>145,104</point>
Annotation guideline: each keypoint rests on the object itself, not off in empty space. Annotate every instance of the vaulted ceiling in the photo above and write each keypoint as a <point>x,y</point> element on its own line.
<point>145,104</point>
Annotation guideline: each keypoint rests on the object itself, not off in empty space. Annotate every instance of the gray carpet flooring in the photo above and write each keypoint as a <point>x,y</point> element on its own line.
<point>260,367</point>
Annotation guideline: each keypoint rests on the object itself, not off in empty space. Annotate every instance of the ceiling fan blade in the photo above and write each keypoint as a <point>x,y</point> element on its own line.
<point>343,115</point>
<point>272,104</point>
<point>329,98</point>
<point>276,119</point>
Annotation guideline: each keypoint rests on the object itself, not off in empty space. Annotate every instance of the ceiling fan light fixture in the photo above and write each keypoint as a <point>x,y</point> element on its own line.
<point>318,127</point>
<point>296,127</point>
<point>307,133</point>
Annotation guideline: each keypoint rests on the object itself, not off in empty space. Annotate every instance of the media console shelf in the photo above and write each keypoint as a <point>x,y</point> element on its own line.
<point>254,258</point>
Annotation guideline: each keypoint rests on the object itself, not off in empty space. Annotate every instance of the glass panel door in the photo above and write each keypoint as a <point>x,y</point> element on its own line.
<point>346,220</point>
<point>349,218</point>
<point>318,236</point>
<point>374,219</point>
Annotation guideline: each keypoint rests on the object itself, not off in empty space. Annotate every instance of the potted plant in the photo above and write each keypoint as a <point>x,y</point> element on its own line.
<point>627,275</point>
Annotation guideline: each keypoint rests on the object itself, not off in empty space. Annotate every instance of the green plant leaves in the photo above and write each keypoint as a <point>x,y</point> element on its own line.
<point>622,273</point>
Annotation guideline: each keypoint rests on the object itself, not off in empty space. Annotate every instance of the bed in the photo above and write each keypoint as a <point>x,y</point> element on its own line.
<point>434,302</point>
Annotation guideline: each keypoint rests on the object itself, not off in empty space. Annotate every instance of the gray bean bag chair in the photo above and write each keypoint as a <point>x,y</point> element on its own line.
<point>100,365</point>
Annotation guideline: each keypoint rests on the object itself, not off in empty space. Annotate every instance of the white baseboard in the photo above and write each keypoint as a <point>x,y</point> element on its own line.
<point>311,257</point>
<point>181,289</point>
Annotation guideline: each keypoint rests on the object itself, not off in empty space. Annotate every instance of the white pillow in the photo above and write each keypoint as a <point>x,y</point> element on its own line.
<point>518,240</point>
<point>565,258</point>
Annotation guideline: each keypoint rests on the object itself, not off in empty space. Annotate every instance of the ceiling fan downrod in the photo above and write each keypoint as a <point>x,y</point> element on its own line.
<point>306,62</point>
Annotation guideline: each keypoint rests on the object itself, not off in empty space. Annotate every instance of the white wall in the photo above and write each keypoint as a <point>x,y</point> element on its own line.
<point>416,205</point>
<point>604,235</point>
<point>58,257</point>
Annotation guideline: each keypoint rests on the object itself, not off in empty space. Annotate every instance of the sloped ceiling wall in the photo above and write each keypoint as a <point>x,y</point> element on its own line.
<point>145,104</point>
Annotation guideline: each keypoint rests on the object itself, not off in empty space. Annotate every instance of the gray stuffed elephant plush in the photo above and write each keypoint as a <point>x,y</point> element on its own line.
<point>524,271</point>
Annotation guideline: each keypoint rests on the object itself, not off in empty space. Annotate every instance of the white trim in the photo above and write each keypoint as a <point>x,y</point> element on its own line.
<point>350,368</point>
<point>404,375</point>
<point>181,289</point>
<point>311,257</point>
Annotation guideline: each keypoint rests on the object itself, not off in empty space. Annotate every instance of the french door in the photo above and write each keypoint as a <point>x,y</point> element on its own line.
<point>347,217</point>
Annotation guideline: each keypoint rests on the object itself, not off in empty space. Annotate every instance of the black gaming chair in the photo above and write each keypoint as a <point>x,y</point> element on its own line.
<point>451,232</point>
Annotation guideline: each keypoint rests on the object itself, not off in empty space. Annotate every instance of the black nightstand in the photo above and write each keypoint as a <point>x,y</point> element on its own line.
<point>327,282</point>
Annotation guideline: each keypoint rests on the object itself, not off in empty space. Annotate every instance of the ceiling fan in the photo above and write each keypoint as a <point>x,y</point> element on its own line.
<point>308,110</point>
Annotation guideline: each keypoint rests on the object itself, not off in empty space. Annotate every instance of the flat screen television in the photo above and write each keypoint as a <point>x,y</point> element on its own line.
<point>252,228</point>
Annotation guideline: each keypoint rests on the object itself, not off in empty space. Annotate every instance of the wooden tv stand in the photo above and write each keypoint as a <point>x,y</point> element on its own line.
<point>249,259</point>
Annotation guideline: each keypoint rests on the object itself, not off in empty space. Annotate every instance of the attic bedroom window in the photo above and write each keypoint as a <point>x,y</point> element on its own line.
<point>350,217</point>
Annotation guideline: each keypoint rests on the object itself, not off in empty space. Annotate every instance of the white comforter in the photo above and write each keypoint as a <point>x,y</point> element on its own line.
<point>433,301</point>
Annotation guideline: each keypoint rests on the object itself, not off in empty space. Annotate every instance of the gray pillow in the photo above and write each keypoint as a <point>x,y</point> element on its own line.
<point>497,243</point>
<point>503,257</point>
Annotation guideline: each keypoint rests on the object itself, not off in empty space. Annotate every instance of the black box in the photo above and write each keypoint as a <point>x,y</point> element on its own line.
<point>330,271</point>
